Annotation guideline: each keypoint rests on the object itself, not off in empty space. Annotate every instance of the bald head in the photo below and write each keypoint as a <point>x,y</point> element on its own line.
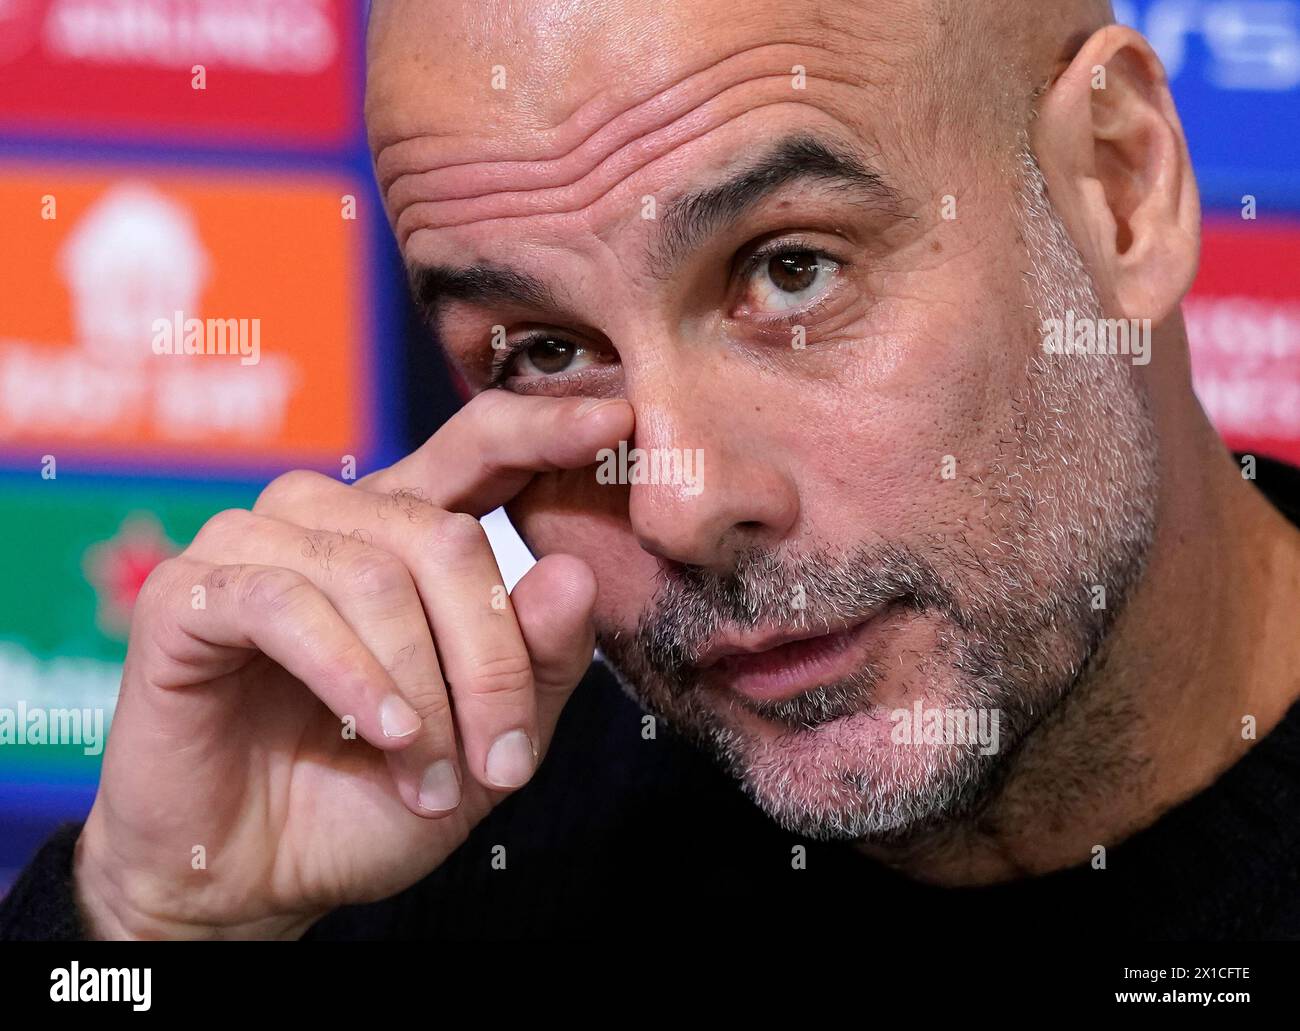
<point>957,59</point>
<point>809,242</point>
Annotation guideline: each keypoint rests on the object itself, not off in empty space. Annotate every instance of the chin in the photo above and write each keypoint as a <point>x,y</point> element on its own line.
<point>850,778</point>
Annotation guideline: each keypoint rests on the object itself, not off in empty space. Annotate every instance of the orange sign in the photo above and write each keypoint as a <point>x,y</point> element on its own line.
<point>215,317</point>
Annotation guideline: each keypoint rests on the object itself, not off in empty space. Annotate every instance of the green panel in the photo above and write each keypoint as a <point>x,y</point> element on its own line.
<point>76,553</point>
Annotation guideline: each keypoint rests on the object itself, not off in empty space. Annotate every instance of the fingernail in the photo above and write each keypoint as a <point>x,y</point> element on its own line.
<point>510,760</point>
<point>397,718</point>
<point>593,403</point>
<point>440,788</point>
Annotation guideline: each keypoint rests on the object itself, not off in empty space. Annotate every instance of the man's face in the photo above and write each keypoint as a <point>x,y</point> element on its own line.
<point>805,266</point>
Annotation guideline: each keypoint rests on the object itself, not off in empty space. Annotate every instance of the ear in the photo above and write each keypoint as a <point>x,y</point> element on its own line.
<point>1112,150</point>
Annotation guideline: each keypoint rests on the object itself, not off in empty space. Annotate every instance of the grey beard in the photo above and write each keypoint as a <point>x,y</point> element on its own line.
<point>1017,630</point>
<point>824,704</point>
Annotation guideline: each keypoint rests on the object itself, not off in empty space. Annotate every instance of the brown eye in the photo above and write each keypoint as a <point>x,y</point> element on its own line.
<point>549,356</point>
<point>788,279</point>
<point>793,271</point>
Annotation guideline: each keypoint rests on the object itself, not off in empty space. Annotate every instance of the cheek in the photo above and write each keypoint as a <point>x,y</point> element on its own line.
<point>866,436</point>
<point>928,394</point>
<point>569,513</point>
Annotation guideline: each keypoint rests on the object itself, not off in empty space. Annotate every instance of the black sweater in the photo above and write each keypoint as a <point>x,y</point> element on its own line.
<point>621,836</point>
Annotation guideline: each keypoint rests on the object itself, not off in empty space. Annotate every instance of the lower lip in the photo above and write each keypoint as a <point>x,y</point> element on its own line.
<point>790,670</point>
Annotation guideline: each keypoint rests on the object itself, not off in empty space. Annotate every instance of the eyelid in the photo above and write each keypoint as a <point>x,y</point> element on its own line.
<point>751,257</point>
<point>784,245</point>
<point>507,353</point>
<point>743,266</point>
<point>502,359</point>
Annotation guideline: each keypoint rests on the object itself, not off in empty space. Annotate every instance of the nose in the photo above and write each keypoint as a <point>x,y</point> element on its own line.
<point>734,491</point>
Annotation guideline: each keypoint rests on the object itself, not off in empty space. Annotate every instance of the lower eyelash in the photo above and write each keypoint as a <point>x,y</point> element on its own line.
<point>552,386</point>
<point>507,354</point>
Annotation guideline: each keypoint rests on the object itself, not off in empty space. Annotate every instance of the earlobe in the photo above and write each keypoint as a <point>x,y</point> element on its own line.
<point>1112,149</point>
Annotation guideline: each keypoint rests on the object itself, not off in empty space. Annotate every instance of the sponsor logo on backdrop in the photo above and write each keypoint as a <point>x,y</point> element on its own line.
<point>1247,364</point>
<point>20,26</point>
<point>1244,334</point>
<point>136,261</point>
<point>210,317</point>
<point>118,567</point>
<point>284,37</point>
<point>87,549</point>
<point>60,683</point>
<point>1248,44</point>
<point>137,252</point>
<point>1234,66</point>
<point>280,67</point>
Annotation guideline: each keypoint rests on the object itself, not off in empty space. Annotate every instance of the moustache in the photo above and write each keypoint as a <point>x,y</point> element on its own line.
<point>780,593</point>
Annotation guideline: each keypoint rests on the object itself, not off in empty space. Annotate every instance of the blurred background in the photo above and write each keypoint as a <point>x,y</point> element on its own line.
<point>134,182</point>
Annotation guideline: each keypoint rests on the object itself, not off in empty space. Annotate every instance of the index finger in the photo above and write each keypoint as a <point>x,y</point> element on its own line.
<point>488,451</point>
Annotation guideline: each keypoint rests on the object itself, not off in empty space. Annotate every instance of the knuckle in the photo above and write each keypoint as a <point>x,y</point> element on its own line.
<point>227,525</point>
<point>158,585</point>
<point>272,591</point>
<point>373,572</point>
<point>431,705</point>
<point>456,532</point>
<point>288,487</point>
<point>410,503</point>
<point>218,578</point>
<point>491,464</point>
<point>504,675</point>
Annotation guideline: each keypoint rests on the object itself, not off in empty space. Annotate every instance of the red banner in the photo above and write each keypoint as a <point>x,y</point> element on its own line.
<point>1243,321</point>
<point>221,69</point>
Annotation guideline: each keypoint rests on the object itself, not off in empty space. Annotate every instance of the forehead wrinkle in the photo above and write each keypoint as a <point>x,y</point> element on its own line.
<point>421,216</point>
<point>476,192</point>
<point>585,128</point>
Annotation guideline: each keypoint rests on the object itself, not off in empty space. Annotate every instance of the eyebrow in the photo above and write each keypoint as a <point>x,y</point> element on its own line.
<point>482,284</point>
<point>687,222</point>
<point>802,157</point>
